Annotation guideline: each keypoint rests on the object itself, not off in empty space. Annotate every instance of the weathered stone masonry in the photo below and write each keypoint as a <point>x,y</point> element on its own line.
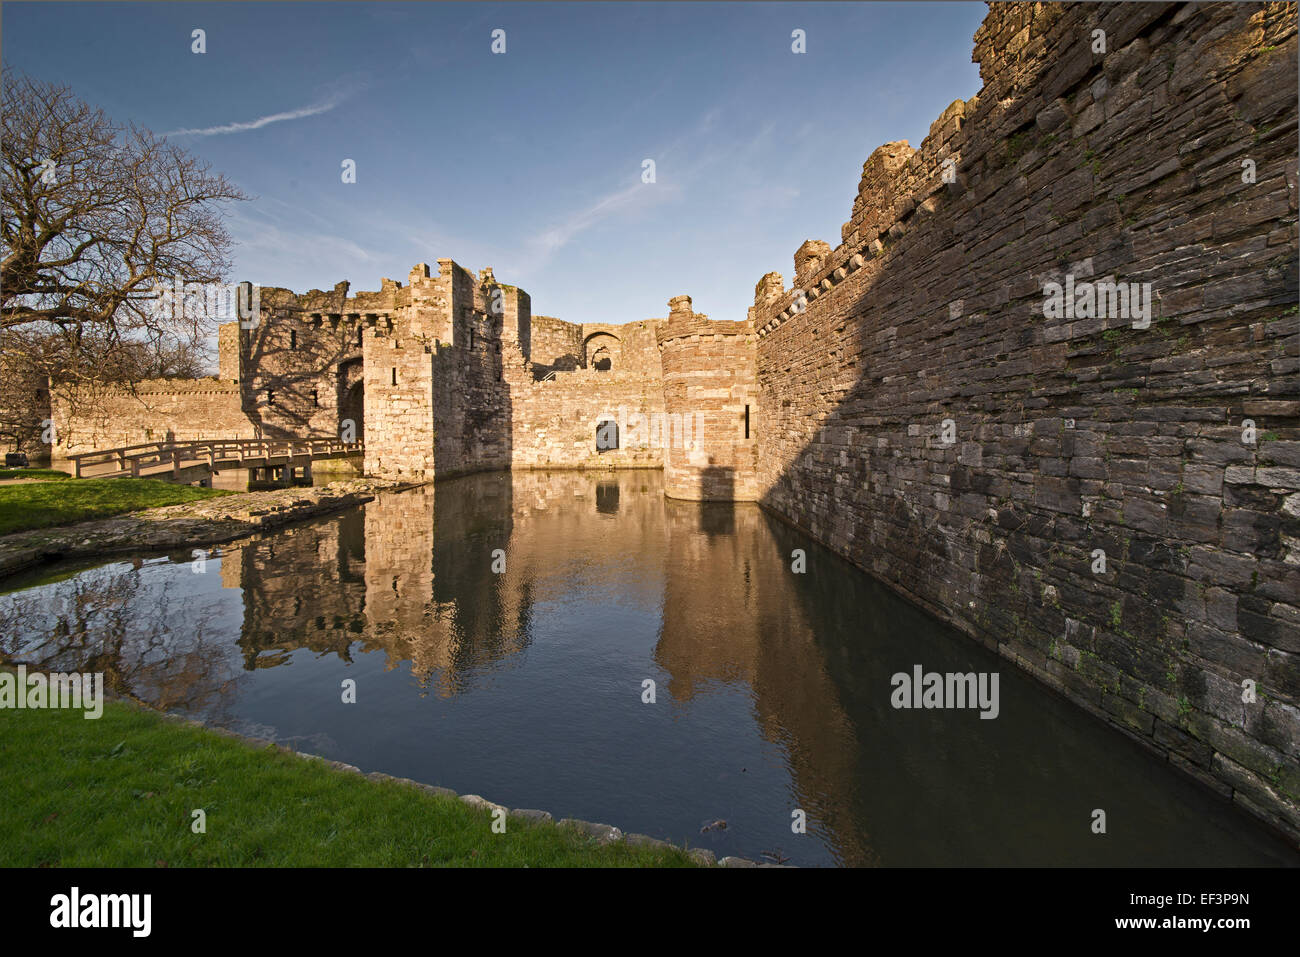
<point>908,402</point>
<point>1073,436</point>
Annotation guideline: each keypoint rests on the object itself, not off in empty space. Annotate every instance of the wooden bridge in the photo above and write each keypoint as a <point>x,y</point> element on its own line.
<point>172,459</point>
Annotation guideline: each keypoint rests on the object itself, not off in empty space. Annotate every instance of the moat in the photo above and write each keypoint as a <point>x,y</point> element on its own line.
<point>526,684</point>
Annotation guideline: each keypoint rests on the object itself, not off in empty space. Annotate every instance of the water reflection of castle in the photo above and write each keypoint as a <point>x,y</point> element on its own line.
<point>411,576</point>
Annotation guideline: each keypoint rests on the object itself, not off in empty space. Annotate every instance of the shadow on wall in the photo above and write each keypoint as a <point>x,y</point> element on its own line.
<point>564,363</point>
<point>1063,434</point>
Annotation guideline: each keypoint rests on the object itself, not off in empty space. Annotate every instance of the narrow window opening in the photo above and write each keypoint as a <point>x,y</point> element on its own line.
<point>293,338</point>
<point>315,397</point>
<point>394,376</point>
<point>270,397</point>
<point>746,421</point>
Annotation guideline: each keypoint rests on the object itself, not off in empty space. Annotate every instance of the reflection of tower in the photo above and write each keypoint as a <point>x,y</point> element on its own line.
<point>301,589</point>
<point>382,577</point>
<point>432,596</point>
<point>399,573</point>
<point>710,394</point>
<point>732,613</point>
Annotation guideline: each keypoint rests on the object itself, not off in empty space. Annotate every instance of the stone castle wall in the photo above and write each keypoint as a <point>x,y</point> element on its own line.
<point>155,410</point>
<point>556,345</point>
<point>555,422</point>
<point>709,381</point>
<point>922,416</point>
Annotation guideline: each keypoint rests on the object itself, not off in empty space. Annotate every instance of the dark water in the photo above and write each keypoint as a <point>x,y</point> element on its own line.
<point>772,688</point>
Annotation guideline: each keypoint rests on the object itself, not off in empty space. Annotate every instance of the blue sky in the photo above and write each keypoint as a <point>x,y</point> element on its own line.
<point>529,161</point>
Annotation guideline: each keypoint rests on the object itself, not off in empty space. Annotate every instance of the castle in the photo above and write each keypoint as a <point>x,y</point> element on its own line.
<point>910,402</point>
<point>451,373</point>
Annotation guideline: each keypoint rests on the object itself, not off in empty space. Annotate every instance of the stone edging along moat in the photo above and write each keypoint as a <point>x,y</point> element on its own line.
<point>601,833</point>
<point>207,522</point>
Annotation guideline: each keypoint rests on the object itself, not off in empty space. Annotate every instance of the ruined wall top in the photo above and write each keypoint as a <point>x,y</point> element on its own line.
<point>683,322</point>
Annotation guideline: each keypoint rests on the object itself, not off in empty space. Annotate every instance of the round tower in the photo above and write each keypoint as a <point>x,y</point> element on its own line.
<point>711,403</point>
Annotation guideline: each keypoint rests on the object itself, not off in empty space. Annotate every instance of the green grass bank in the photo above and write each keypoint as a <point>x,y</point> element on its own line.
<point>120,791</point>
<point>32,474</point>
<point>32,505</point>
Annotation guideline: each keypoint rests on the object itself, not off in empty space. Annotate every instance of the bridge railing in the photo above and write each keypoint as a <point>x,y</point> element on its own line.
<point>133,458</point>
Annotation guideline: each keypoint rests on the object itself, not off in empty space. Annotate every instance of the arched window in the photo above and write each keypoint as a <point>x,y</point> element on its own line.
<point>602,351</point>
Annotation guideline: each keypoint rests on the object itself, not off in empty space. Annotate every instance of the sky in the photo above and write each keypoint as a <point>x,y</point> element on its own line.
<point>529,161</point>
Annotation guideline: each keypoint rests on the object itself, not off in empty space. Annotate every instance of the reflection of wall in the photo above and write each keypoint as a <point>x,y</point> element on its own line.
<point>380,576</point>
<point>731,613</point>
<point>303,588</point>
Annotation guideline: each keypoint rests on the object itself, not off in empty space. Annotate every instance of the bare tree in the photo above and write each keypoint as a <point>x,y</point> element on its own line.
<point>97,216</point>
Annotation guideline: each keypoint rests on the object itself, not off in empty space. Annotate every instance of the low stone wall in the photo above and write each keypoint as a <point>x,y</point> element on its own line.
<point>155,410</point>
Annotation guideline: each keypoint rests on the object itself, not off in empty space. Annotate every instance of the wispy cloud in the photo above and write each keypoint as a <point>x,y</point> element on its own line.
<point>275,253</point>
<point>613,204</point>
<point>315,109</point>
<point>334,93</point>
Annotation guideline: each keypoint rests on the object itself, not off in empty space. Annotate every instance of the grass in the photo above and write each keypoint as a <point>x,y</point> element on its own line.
<point>119,791</point>
<point>33,474</point>
<point>45,504</point>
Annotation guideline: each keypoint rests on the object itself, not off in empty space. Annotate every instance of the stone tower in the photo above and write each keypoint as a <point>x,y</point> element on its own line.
<point>711,386</point>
